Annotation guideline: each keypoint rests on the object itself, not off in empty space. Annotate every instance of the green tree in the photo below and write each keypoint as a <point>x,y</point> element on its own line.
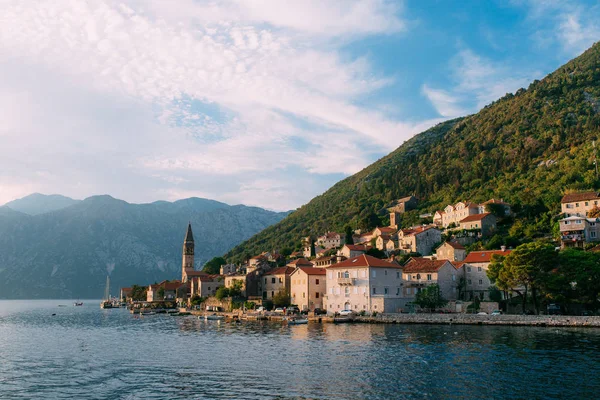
<point>577,278</point>
<point>236,288</point>
<point>138,293</point>
<point>221,293</point>
<point>430,298</point>
<point>349,239</point>
<point>161,293</point>
<point>281,298</point>
<point>213,267</point>
<point>497,209</point>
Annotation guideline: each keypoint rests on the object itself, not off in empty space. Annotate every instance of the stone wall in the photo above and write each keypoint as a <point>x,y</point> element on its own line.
<point>474,319</point>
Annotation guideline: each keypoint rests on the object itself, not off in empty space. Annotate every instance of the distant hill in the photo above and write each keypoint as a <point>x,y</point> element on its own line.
<point>37,203</point>
<point>527,148</point>
<point>67,253</point>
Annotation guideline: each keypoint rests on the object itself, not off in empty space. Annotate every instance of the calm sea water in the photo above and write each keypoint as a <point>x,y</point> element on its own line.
<point>85,352</point>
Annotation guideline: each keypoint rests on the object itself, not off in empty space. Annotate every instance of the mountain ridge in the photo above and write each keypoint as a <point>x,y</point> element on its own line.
<point>496,152</point>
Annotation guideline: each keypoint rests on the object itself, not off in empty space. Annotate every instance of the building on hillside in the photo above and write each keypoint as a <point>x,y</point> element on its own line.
<point>420,239</point>
<point>382,242</point>
<point>576,231</point>
<point>307,287</point>
<point>364,283</point>
<point>404,204</point>
<point>300,262</point>
<point>454,213</point>
<point>476,265</point>
<point>228,269</point>
<point>483,208</point>
<point>484,223</point>
<point>231,280</point>
<point>384,230</point>
<point>275,281</point>
<point>296,254</point>
<point>418,273</point>
<point>353,250</point>
<point>452,251</point>
<point>330,240</point>
<point>165,291</point>
<point>579,204</point>
<point>324,262</point>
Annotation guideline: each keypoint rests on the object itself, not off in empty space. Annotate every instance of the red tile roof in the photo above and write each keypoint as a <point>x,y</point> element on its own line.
<point>363,261</point>
<point>386,229</point>
<point>571,197</point>
<point>281,271</point>
<point>356,247</point>
<point>419,264</point>
<point>484,256</point>
<point>300,262</point>
<point>475,217</point>
<point>495,201</point>
<point>457,264</point>
<point>196,273</point>
<point>312,271</point>
<point>456,245</point>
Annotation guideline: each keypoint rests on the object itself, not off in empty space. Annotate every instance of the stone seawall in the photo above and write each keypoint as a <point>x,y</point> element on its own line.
<point>473,319</point>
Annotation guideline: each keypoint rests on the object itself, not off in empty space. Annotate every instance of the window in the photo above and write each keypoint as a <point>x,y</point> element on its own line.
<point>593,234</point>
<point>265,281</point>
<point>272,294</point>
<point>586,204</point>
<point>479,269</point>
<point>280,280</point>
<point>374,274</point>
<point>386,290</point>
<point>428,277</point>
<point>272,280</point>
<point>578,221</point>
<point>566,222</point>
<point>468,269</point>
<point>346,274</point>
<point>317,281</point>
<point>331,306</point>
<point>418,276</point>
<point>347,291</point>
<point>317,295</point>
<point>397,291</point>
<point>576,204</point>
<point>469,281</point>
<point>453,278</point>
<point>385,271</point>
<point>481,281</point>
<point>364,273</point>
<point>408,277</point>
<point>397,275</point>
<point>374,291</point>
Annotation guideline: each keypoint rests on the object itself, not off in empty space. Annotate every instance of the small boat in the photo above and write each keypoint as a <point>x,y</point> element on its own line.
<point>297,321</point>
<point>213,317</point>
<point>78,303</point>
<point>106,304</point>
<point>178,313</point>
<point>147,313</point>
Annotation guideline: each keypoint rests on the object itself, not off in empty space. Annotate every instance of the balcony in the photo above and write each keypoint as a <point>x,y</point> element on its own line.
<point>346,281</point>
<point>572,238</point>
<point>419,283</point>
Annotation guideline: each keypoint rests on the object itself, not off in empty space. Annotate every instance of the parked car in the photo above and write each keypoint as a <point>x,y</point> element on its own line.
<point>320,311</point>
<point>345,313</point>
<point>482,313</point>
<point>261,309</point>
<point>496,312</point>
<point>278,310</point>
<point>292,310</point>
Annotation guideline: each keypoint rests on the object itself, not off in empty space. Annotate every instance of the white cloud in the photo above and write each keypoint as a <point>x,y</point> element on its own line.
<point>141,99</point>
<point>445,104</point>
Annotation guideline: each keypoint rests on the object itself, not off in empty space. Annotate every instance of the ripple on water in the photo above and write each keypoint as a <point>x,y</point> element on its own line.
<point>85,352</point>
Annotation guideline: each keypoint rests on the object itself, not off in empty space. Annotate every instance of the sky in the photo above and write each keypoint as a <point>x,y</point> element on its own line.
<point>264,103</point>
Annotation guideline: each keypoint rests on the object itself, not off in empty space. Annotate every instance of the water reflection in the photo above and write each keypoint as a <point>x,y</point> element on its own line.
<point>112,354</point>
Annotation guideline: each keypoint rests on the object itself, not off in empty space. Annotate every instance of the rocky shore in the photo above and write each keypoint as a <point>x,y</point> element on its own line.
<point>473,319</point>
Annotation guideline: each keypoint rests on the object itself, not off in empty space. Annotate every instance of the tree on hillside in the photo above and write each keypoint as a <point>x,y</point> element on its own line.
<point>430,298</point>
<point>497,209</point>
<point>213,267</point>
<point>349,239</point>
<point>577,278</point>
<point>594,212</point>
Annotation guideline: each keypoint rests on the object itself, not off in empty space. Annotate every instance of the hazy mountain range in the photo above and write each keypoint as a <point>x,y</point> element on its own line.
<point>57,247</point>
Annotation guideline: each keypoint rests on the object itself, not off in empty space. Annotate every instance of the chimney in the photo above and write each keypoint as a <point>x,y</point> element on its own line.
<point>503,248</point>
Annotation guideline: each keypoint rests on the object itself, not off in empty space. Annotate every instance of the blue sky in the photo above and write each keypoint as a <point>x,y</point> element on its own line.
<point>265,103</point>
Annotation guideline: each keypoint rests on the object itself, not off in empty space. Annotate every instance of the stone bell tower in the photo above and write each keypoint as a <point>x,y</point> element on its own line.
<point>187,264</point>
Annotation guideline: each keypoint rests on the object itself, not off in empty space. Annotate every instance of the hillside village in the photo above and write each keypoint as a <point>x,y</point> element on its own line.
<point>390,269</point>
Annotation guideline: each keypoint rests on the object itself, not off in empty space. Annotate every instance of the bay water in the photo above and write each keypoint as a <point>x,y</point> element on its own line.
<point>53,350</point>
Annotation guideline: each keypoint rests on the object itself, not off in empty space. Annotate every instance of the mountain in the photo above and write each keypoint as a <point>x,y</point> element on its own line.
<point>527,148</point>
<point>67,253</point>
<point>37,203</point>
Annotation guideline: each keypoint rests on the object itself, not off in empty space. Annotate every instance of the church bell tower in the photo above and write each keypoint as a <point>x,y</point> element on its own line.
<point>187,264</point>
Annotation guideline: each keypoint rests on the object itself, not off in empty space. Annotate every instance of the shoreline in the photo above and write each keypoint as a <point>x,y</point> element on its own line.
<point>488,320</point>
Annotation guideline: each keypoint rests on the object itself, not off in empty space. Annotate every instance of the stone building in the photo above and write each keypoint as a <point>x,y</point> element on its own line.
<point>576,231</point>
<point>364,283</point>
<point>275,281</point>
<point>476,265</point>
<point>307,287</point>
<point>452,251</point>
<point>330,240</point>
<point>420,239</point>
<point>485,223</point>
<point>579,204</point>
<point>418,273</point>
<point>205,285</point>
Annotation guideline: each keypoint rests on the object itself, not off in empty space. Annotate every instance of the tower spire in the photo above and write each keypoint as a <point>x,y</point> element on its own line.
<point>189,237</point>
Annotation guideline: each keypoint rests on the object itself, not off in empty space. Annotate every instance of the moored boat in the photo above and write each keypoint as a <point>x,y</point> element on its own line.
<point>297,321</point>
<point>213,317</point>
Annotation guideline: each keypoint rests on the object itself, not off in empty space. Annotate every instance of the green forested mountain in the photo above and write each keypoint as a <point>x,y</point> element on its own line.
<point>527,148</point>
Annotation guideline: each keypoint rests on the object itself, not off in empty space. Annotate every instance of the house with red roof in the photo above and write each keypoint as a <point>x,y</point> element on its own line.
<point>485,223</point>
<point>364,283</point>
<point>275,281</point>
<point>353,250</point>
<point>420,239</point>
<point>418,273</point>
<point>451,250</point>
<point>330,240</point>
<point>476,265</point>
<point>308,286</point>
<point>165,290</point>
<point>579,204</point>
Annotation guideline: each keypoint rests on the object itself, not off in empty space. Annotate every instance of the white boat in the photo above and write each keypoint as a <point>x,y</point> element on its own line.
<point>298,321</point>
<point>213,317</point>
<point>78,303</point>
